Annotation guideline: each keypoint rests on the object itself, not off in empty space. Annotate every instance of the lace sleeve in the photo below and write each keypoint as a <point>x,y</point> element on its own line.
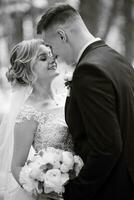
<point>26,113</point>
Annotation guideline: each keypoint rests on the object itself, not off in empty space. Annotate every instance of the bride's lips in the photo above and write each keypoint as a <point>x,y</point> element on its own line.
<point>52,66</point>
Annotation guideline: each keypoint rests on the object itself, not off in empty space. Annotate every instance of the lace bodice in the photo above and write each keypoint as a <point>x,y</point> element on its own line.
<point>51,128</point>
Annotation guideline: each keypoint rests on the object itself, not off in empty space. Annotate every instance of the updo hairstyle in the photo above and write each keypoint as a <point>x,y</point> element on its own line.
<point>21,55</point>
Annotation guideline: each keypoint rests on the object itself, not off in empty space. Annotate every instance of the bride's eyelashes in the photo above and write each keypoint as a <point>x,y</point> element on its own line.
<point>43,58</point>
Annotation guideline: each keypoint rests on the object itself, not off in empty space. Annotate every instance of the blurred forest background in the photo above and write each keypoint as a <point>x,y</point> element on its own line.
<point>111,20</point>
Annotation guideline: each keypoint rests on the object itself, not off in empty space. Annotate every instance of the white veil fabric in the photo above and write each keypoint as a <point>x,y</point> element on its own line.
<point>19,95</point>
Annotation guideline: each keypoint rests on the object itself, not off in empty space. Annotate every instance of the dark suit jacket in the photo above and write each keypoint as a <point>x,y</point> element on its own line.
<point>100,117</point>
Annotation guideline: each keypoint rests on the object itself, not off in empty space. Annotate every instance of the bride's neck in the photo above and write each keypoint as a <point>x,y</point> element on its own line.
<point>42,92</point>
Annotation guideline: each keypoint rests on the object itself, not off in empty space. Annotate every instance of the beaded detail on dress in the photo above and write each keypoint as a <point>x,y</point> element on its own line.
<point>51,129</point>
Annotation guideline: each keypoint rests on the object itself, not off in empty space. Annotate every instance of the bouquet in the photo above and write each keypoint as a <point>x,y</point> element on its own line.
<point>49,170</point>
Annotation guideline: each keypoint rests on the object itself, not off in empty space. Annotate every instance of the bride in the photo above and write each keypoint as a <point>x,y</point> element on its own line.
<point>36,115</point>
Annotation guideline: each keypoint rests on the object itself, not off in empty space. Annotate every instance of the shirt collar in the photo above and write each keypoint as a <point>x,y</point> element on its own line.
<point>85,46</point>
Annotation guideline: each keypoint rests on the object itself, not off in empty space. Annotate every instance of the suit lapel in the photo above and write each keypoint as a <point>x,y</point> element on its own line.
<point>91,47</point>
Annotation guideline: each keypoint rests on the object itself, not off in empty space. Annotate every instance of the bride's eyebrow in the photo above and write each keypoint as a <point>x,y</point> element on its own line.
<point>42,54</point>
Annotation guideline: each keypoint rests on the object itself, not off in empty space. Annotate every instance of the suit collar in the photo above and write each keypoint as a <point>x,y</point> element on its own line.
<point>91,47</point>
<point>85,46</point>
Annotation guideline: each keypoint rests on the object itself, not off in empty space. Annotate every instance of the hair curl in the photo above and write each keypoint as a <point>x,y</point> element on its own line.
<point>21,55</point>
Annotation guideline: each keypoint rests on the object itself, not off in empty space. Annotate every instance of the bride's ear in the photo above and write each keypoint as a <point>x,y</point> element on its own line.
<point>62,35</point>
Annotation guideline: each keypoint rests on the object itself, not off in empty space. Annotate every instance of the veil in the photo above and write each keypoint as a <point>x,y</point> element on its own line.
<point>18,97</point>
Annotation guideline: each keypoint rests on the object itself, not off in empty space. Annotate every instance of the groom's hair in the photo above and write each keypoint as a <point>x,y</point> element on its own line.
<point>58,14</point>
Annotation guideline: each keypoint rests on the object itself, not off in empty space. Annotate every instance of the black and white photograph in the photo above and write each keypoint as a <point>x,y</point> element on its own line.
<point>66,100</point>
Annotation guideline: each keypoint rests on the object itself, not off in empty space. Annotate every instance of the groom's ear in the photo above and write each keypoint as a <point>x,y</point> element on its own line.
<point>62,35</point>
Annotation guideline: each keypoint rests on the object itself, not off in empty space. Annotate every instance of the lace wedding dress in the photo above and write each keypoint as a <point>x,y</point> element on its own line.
<point>51,131</point>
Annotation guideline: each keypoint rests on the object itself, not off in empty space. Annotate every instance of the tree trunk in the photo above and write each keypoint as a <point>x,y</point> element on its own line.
<point>128,29</point>
<point>17,29</point>
<point>90,11</point>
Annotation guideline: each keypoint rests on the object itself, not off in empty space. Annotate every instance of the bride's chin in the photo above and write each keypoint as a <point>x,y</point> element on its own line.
<point>55,74</point>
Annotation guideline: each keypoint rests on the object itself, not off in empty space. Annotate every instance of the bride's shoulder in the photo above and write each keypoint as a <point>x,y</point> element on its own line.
<point>27,112</point>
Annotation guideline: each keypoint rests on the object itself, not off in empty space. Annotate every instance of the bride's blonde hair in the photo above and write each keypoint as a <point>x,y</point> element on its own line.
<point>21,71</point>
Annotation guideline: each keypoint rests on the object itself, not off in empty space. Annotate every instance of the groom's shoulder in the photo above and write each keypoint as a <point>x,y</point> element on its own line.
<point>89,71</point>
<point>91,62</point>
<point>94,63</point>
<point>96,56</point>
<point>100,58</point>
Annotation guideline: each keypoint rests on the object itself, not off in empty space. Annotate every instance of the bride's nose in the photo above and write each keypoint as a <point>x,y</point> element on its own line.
<point>53,59</point>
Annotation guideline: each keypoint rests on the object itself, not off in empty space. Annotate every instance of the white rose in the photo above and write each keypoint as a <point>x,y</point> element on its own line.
<point>36,159</point>
<point>31,186</point>
<point>54,151</point>
<point>64,178</point>
<point>48,189</point>
<point>28,183</point>
<point>78,164</point>
<point>53,181</point>
<point>64,168</point>
<point>48,157</point>
<point>36,173</point>
<point>68,159</point>
<point>52,156</point>
<point>24,174</point>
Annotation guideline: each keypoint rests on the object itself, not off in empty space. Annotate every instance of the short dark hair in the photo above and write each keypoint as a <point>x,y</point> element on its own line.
<point>58,13</point>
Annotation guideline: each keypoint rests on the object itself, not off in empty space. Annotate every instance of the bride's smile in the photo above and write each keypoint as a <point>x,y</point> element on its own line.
<point>44,65</point>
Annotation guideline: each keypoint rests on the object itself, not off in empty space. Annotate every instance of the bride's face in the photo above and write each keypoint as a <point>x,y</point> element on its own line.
<point>44,64</point>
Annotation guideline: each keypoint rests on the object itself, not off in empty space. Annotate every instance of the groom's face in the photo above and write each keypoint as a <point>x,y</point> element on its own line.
<point>60,48</point>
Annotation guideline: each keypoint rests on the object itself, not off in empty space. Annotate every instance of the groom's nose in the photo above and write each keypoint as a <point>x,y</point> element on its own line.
<point>54,55</point>
<point>52,59</point>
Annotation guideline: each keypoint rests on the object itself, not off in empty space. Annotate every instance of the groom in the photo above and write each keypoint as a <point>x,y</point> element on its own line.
<point>100,109</point>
